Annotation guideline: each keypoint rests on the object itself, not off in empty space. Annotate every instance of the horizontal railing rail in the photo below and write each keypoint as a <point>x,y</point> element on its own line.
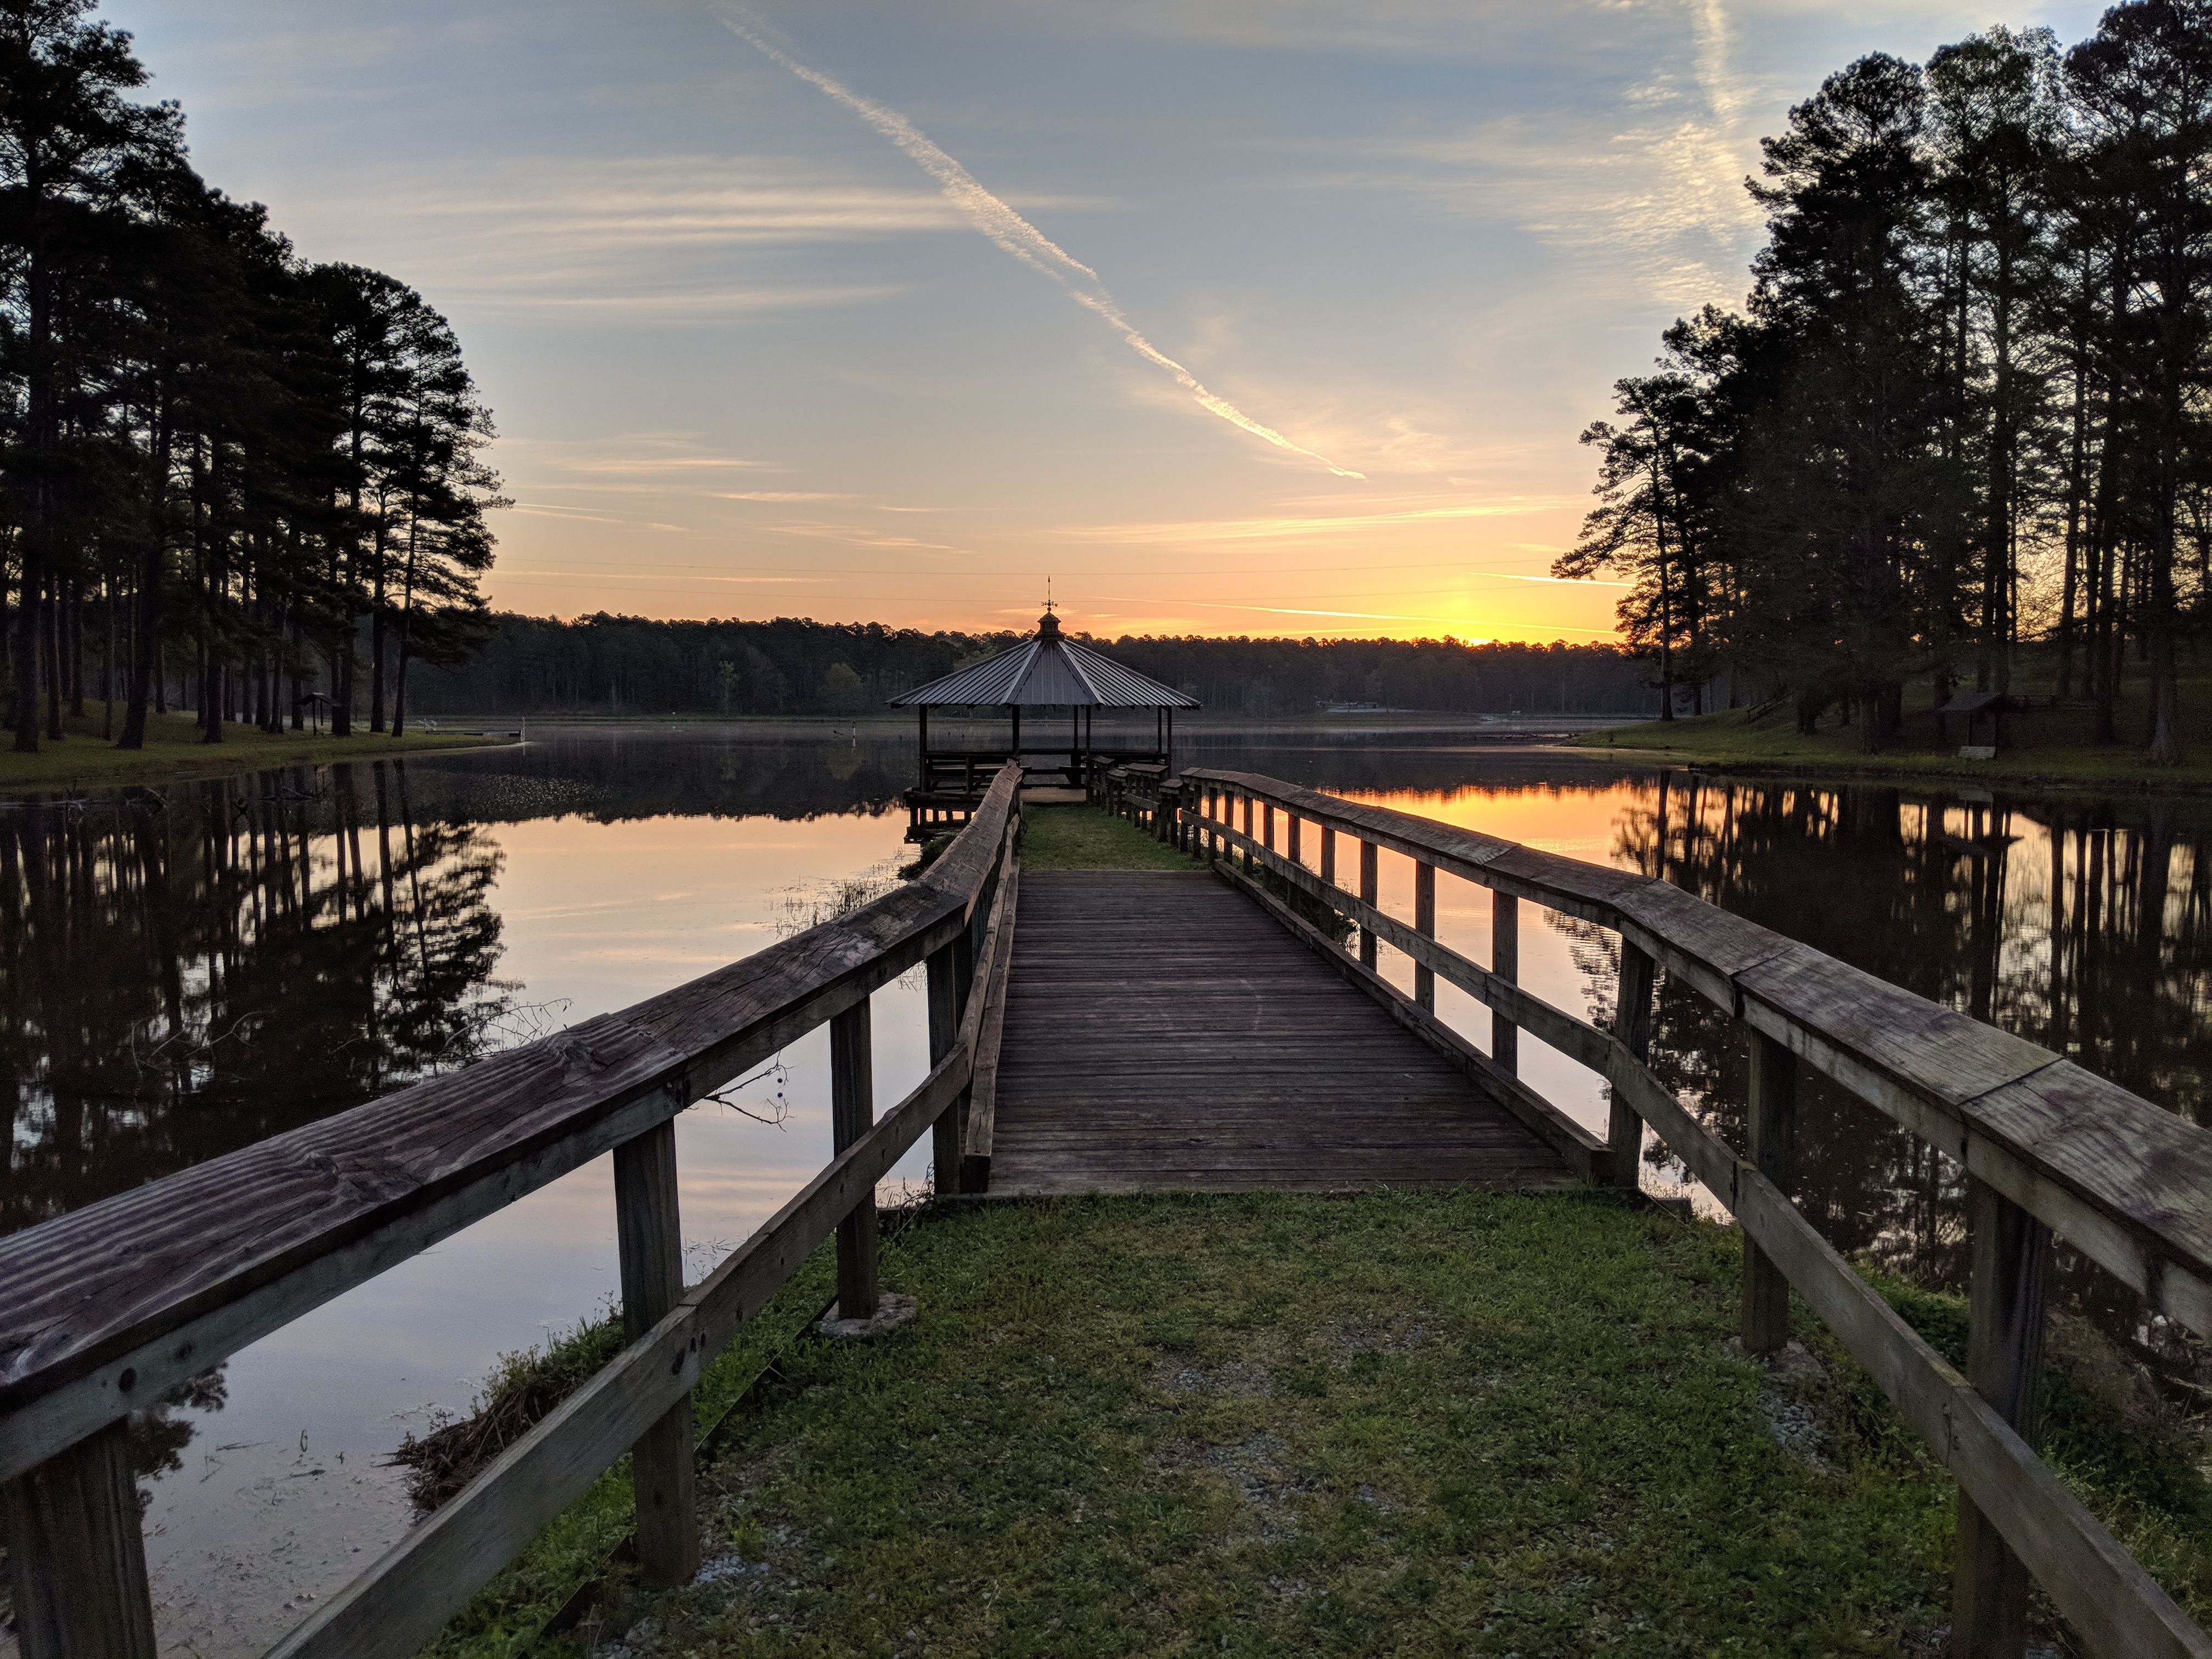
<point>2046,1146</point>
<point>104,1308</point>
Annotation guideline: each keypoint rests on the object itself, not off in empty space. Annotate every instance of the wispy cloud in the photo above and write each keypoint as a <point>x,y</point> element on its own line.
<point>778,496</point>
<point>664,464</point>
<point>670,304</point>
<point>1649,180</point>
<point>649,576</point>
<point>1016,235</point>
<point>1327,524</point>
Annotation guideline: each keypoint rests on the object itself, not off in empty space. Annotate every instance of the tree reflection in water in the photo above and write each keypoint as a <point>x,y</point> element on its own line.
<point>183,974</point>
<point>2083,925</point>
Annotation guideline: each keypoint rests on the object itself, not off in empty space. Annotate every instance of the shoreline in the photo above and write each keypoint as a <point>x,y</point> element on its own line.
<point>2023,774</point>
<point>173,754</point>
<point>1406,723</point>
<point>1728,745</point>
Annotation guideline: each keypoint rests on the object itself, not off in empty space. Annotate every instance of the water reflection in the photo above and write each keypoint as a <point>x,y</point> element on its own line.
<point>183,974</point>
<point>2083,925</point>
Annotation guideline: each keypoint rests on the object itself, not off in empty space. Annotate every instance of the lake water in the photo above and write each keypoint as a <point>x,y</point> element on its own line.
<point>183,972</point>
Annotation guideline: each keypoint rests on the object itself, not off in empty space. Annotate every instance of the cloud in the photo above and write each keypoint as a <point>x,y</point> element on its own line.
<point>779,496</point>
<point>1643,172</point>
<point>1324,524</point>
<point>1016,235</point>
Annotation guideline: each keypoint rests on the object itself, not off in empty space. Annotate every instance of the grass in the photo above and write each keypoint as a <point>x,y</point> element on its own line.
<point>1417,1423</point>
<point>2053,748</point>
<point>1086,838</point>
<point>173,751</point>
<point>505,1618</point>
<point>524,1387</point>
<point>1413,1423</point>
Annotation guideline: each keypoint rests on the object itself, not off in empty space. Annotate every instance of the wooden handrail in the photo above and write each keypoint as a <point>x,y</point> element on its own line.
<point>104,1308</point>
<point>2143,1194</point>
<point>2128,1183</point>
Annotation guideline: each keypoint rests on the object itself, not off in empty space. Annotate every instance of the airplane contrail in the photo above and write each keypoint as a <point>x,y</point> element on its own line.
<point>1017,235</point>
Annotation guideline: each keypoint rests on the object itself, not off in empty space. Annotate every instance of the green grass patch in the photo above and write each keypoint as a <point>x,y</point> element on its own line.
<point>175,750</point>
<point>1086,838</point>
<point>1418,1423</point>
<point>1430,1423</point>
<point>505,1618</point>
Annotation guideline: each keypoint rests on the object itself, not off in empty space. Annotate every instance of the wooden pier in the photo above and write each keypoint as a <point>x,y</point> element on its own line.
<point>1162,1034</point>
<point>1224,1028</point>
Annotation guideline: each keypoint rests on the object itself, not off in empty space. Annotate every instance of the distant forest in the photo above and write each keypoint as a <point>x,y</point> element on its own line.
<point>631,665</point>
<point>225,473</point>
<point>1967,406</point>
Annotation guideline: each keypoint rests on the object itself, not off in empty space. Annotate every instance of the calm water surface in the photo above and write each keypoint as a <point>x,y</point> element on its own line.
<point>184,972</point>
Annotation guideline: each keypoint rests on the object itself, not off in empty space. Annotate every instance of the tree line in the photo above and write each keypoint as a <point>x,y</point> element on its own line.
<point>1967,406</point>
<point>223,469</point>
<point>635,666</point>
<point>609,664</point>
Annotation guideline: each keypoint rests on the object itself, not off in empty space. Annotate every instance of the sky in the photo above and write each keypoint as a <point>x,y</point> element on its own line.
<point>1222,316</point>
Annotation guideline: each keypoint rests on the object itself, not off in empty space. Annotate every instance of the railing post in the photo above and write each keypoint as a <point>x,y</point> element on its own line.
<point>1505,963</point>
<point>1268,824</point>
<point>1292,838</point>
<point>1773,1136</point>
<point>1213,818</point>
<point>650,1239</point>
<point>2010,1291</point>
<point>1328,856</point>
<point>852,1114</point>
<point>1249,861</point>
<point>76,1556</point>
<point>1371,890</point>
<point>1424,923</point>
<point>1631,1024</point>
<point>951,966</point>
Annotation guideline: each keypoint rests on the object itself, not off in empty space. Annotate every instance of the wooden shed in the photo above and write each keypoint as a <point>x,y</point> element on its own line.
<point>1977,707</point>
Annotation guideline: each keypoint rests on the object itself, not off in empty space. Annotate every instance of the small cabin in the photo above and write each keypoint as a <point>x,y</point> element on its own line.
<point>1983,717</point>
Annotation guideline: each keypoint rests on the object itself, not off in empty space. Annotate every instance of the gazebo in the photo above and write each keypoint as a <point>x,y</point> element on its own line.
<point>1045,672</point>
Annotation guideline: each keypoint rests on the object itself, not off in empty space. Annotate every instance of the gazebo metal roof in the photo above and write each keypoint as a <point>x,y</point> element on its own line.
<point>1048,670</point>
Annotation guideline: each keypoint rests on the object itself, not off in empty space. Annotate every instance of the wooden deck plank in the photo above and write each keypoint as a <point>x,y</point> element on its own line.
<point>1162,1033</point>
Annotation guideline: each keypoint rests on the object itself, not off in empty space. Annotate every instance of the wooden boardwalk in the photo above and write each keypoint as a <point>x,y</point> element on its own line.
<point>1161,1032</point>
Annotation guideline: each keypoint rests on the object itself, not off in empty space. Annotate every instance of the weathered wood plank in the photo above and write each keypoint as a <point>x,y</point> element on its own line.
<point>1631,1029</point>
<point>77,1561</point>
<point>2008,1296</point>
<point>1773,1150</point>
<point>950,968</point>
<point>852,1115</point>
<point>996,957</point>
<point>1505,969</point>
<point>649,1240</point>
<point>1162,1033</point>
<point>1580,1149</point>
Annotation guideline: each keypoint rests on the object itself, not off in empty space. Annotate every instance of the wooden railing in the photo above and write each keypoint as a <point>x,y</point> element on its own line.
<point>2046,1146</point>
<point>102,1309</point>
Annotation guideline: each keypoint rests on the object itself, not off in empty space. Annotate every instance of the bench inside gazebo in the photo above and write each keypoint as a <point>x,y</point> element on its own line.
<point>1046,678</point>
